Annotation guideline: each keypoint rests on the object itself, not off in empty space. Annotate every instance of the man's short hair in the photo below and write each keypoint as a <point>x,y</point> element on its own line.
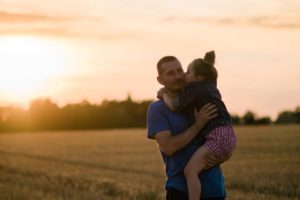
<point>164,59</point>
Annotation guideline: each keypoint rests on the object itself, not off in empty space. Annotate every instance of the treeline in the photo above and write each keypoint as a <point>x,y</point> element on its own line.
<point>43,114</point>
<point>284,117</point>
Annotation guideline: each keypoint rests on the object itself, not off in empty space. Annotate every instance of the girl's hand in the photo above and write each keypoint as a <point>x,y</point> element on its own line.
<point>160,93</point>
<point>206,113</point>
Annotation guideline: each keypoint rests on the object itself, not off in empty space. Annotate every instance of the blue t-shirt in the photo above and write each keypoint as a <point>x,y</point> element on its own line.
<point>160,118</point>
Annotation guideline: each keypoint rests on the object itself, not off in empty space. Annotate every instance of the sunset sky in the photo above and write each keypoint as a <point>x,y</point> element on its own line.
<point>74,50</point>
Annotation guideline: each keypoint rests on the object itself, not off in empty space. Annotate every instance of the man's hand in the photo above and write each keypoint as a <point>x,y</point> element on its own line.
<point>206,113</point>
<point>160,92</point>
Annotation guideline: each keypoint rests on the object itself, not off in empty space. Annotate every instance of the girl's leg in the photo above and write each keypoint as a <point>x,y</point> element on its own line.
<point>191,171</point>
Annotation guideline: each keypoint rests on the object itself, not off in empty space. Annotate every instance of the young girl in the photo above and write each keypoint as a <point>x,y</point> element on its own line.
<point>219,137</point>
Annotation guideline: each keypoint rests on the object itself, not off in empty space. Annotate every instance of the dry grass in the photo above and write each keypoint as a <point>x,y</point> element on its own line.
<point>123,164</point>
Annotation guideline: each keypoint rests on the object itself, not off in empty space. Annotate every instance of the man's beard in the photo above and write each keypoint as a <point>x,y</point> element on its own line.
<point>177,86</point>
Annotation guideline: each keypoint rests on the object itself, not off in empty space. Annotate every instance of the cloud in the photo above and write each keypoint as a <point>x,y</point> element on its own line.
<point>263,21</point>
<point>11,17</point>
<point>12,23</point>
<point>275,22</point>
<point>34,23</point>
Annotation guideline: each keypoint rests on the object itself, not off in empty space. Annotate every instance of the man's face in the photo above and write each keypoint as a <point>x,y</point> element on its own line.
<point>172,76</point>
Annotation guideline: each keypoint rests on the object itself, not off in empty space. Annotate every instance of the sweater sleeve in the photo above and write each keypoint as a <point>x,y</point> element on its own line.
<point>185,100</point>
<point>157,120</point>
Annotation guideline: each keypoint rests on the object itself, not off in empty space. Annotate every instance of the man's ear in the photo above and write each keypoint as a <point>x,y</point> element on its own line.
<point>160,80</point>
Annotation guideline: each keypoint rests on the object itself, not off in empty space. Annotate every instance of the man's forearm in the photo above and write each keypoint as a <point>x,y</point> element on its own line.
<point>171,144</point>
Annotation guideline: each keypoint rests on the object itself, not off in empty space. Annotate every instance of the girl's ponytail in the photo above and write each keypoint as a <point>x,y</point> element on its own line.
<point>210,58</point>
<point>205,67</point>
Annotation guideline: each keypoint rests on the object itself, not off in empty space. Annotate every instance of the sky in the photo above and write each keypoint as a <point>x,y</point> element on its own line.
<point>75,50</point>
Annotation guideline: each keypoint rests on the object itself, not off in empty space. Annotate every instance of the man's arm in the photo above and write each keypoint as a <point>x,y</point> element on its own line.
<point>170,144</point>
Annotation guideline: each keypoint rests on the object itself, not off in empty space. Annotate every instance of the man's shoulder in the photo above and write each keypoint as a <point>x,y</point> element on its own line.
<point>156,118</point>
<point>159,104</point>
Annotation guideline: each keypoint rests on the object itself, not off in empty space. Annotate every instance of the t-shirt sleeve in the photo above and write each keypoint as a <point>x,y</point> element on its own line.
<point>157,121</point>
<point>185,99</point>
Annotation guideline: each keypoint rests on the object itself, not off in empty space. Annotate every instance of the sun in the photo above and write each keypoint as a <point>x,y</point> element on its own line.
<point>27,64</point>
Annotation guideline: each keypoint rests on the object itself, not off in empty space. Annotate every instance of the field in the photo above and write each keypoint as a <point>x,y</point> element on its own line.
<point>123,164</point>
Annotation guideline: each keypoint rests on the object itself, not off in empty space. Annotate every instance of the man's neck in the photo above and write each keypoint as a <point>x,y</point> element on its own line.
<point>173,94</point>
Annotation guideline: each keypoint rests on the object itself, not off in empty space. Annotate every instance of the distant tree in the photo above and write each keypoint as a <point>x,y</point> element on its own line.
<point>16,120</point>
<point>2,118</point>
<point>249,118</point>
<point>297,114</point>
<point>263,121</point>
<point>236,120</point>
<point>286,117</point>
<point>44,114</point>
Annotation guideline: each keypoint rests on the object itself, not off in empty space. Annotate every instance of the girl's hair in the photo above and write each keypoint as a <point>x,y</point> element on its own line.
<point>205,67</point>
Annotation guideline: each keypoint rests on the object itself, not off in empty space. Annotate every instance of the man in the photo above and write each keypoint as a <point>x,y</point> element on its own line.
<point>174,135</point>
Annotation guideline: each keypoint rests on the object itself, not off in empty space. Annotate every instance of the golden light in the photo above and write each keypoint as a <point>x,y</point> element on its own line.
<point>27,63</point>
